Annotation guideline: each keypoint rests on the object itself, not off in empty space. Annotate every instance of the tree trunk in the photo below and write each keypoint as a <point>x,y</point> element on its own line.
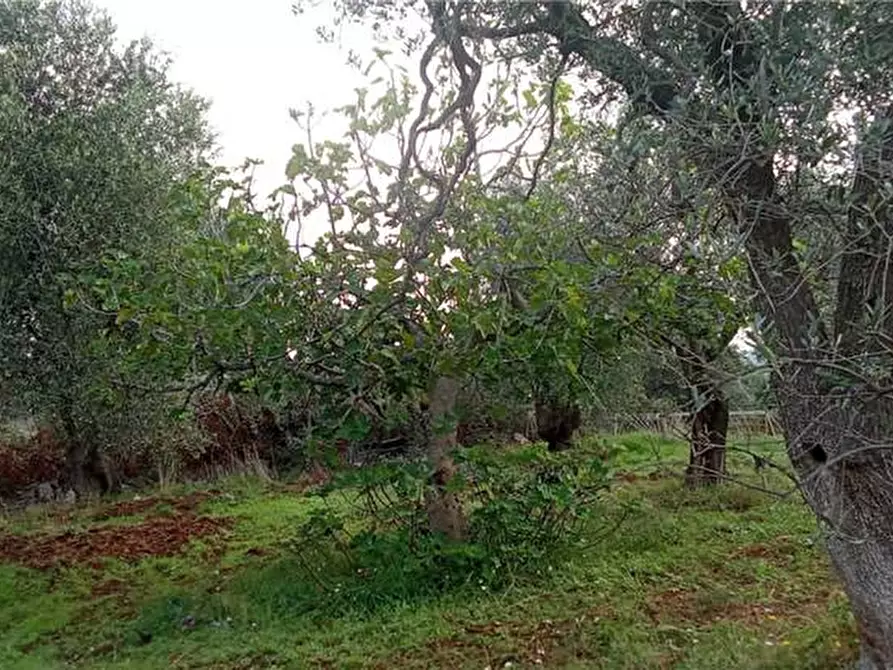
<point>85,471</point>
<point>445,514</point>
<point>76,467</point>
<point>834,437</point>
<point>76,453</point>
<point>710,414</point>
<point>707,457</point>
<point>556,422</point>
<point>837,436</point>
<point>840,448</point>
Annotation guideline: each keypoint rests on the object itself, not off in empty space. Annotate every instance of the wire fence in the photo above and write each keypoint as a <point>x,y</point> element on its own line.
<point>677,424</point>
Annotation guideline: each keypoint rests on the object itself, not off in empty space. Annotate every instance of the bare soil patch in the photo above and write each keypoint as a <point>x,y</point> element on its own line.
<point>180,504</point>
<point>781,550</point>
<point>158,536</point>
<point>497,643</point>
<point>691,607</point>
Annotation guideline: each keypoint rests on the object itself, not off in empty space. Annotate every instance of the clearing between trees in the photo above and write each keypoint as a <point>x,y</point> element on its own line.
<point>659,577</point>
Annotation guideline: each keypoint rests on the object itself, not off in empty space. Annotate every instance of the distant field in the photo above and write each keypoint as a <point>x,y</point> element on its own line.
<point>725,579</point>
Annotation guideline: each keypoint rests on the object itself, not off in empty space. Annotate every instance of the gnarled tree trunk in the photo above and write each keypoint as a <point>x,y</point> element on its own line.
<point>445,513</point>
<point>710,411</point>
<point>85,471</point>
<point>838,437</point>
<point>840,448</point>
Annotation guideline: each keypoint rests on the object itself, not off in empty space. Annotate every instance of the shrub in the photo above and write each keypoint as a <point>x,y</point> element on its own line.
<point>526,506</point>
<point>529,505</point>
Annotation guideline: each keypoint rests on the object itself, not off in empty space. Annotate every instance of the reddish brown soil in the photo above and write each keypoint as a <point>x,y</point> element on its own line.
<point>546,643</point>
<point>687,606</point>
<point>109,587</point>
<point>182,505</point>
<point>158,536</point>
<point>780,550</point>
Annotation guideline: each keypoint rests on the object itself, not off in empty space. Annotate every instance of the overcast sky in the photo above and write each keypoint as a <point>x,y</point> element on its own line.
<point>254,60</point>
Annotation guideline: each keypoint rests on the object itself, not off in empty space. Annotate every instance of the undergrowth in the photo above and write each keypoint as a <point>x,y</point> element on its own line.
<point>596,559</point>
<point>372,549</point>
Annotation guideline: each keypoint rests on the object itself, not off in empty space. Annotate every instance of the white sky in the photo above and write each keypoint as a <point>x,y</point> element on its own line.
<point>254,61</point>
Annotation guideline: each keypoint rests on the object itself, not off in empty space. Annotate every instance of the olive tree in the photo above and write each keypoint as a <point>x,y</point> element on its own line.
<point>93,136</point>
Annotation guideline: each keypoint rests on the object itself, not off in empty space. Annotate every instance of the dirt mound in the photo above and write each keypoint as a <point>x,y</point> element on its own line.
<point>158,536</point>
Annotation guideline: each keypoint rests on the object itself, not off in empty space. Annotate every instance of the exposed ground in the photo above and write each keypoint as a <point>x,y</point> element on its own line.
<point>200,579</point>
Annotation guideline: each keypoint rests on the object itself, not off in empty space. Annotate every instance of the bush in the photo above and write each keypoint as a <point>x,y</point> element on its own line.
<point>525,507</point>
<point>489,418</point>
<point>529,505</point>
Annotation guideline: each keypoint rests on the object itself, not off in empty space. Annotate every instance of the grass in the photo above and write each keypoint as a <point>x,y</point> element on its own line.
<point>726,578</point>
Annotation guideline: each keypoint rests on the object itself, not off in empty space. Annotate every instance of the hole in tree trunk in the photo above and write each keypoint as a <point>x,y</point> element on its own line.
<point>817,452</point>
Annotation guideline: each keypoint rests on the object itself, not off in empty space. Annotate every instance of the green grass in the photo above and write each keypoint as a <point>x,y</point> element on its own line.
<point>726,578</point>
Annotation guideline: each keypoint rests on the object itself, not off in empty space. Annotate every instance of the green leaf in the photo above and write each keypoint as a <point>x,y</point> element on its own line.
<point>124,315</point>
<point>298,162</point>
<point>69,298</point>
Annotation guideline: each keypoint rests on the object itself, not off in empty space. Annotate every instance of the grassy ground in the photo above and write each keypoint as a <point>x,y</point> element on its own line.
<point>731,578</point>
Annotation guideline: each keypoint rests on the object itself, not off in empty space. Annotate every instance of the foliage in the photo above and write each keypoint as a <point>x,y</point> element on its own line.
<point>93,137</point>
<point>531,504</point>
<point>140,277</point>
<point>747,107</point>
<point>366,320</point>
<point>528,506</point>
<point>748,384</point>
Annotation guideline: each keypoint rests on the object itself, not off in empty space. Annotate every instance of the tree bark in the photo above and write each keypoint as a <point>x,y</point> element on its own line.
<point>86,472</point>
<point>445,513</point>
<point>76,467</point>
<point>837,437</point>
<point>710,412</point>
<point>707,456</point>
<point>83,468</point>
<point>75,449</point>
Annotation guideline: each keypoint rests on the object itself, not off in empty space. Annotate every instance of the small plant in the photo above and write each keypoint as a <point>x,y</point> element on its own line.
<point>530,504</point>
